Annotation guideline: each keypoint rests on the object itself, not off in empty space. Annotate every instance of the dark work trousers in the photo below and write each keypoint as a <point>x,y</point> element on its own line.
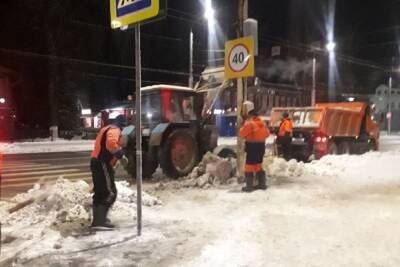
<point>254,152</point>
<point>105,191</point>
<point>286,145</point>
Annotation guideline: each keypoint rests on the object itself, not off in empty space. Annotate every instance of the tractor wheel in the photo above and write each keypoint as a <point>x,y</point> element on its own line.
<point>179,153</point>
<point>149,164</point>
<point>344,148</point>
<point>333,149</point>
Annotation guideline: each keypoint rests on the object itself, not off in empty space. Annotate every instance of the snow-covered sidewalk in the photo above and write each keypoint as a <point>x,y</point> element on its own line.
<point>60,145</point>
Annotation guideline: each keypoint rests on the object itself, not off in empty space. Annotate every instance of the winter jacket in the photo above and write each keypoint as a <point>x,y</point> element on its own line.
<point>107,147</point>
<point>254,130</point>
<point>286,128</point>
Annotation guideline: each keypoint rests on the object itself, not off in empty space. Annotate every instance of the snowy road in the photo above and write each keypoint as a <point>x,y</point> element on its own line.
<point>339,211</point>
<point>21,172</point>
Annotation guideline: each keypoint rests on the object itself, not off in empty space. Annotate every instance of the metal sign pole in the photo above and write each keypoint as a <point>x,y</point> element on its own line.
<point>138,129</point>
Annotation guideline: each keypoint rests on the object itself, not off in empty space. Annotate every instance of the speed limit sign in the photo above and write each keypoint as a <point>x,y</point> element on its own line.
<point>239,58</point>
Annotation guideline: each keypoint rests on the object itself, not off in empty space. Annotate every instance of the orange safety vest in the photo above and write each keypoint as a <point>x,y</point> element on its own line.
<point>254,130</point>
<point>107,144</point>
<point>286,127</point>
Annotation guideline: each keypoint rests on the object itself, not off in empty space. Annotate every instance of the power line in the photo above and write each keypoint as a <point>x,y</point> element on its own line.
<point>154,36</point>
<point>126,79</point>
<point>80,61</point>
<point>342,57</point>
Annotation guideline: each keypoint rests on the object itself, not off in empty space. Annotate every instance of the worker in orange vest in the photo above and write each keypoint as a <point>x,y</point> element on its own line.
<point>285,135</point>
<point>254,132</point>
<point>107,151</point>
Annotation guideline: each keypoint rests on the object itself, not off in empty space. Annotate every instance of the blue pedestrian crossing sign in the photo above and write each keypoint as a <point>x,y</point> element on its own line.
<point>128,12</point>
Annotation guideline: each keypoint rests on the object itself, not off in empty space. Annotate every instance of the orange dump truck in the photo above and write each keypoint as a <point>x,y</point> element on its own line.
<point>330,128</point>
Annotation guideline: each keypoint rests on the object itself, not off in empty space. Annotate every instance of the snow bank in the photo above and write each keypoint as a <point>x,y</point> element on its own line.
<point>60,145</point>
<point>371,168</point>
<point>59,211</point>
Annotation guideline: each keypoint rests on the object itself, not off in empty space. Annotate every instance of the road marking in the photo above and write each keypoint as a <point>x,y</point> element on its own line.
<point>39,172</point>
<point>49,182</point>
<point>4,181</point>
<point>50,159</point>
<point>17,165</point>
<point>44,167</point>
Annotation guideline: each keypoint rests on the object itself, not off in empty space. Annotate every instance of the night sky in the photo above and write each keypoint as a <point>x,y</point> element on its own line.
<point>68,45</point>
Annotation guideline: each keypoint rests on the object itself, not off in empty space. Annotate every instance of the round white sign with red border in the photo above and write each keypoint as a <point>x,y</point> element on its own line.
<point>239,58</point>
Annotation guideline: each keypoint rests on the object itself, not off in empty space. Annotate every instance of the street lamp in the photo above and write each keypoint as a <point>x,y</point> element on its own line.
<point>330,46</point>
<point>209,12</point>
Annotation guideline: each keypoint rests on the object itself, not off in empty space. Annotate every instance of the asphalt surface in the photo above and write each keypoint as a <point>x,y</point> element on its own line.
<point>20,172</point>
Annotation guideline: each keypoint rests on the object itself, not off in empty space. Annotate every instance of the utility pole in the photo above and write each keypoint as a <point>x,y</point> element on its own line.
<point>389,115</point>
<point>313,90</point>
<point>191,58</point>
<point>241,93</point>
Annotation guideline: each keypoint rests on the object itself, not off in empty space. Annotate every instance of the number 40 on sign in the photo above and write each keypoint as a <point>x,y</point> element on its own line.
<point>239,58</point>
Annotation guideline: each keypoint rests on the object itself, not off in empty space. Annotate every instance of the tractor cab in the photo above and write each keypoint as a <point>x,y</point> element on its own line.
<point>167,104</point>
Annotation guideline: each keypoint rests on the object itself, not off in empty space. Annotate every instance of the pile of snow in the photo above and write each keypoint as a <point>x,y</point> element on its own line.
<point>280,168</point>
<point>59,145</point>
<point>211,171</point>
<point>59,211</point>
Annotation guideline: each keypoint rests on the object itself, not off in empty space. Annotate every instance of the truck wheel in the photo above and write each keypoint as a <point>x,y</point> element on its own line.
<point>149,164</point>
<point>372,146</point>
<point>344,148</point>
<point>179,153</point>
<point>333,150</point>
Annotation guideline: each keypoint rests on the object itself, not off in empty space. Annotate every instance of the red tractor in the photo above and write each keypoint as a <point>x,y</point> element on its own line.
<point>175,135</point>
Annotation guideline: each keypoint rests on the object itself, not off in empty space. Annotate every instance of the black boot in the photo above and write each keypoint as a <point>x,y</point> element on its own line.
<point>249,182</point>
<point>100,217</point>
<point>262,180</point>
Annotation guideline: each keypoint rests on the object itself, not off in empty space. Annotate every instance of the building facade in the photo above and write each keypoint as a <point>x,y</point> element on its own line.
<point>386,100</point>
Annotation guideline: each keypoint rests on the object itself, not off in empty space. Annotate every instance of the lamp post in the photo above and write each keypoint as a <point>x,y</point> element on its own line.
<point>313,90</point>
<point>191,58</point>
<point>389,115</point>
<point>330,47</point>
<point>209,16</point>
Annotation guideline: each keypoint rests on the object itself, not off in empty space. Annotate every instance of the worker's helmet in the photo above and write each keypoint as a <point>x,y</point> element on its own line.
<point>120,121</point>
<point>248,106</point>
<point>285,115</point>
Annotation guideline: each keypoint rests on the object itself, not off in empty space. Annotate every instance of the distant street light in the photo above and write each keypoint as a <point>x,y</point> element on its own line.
<point>331,47</point>
<point>2,100</point>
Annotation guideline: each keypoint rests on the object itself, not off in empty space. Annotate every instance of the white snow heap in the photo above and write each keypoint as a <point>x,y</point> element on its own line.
<point>279,168</point>
<point>58,209</point>
<point>128,195</point>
